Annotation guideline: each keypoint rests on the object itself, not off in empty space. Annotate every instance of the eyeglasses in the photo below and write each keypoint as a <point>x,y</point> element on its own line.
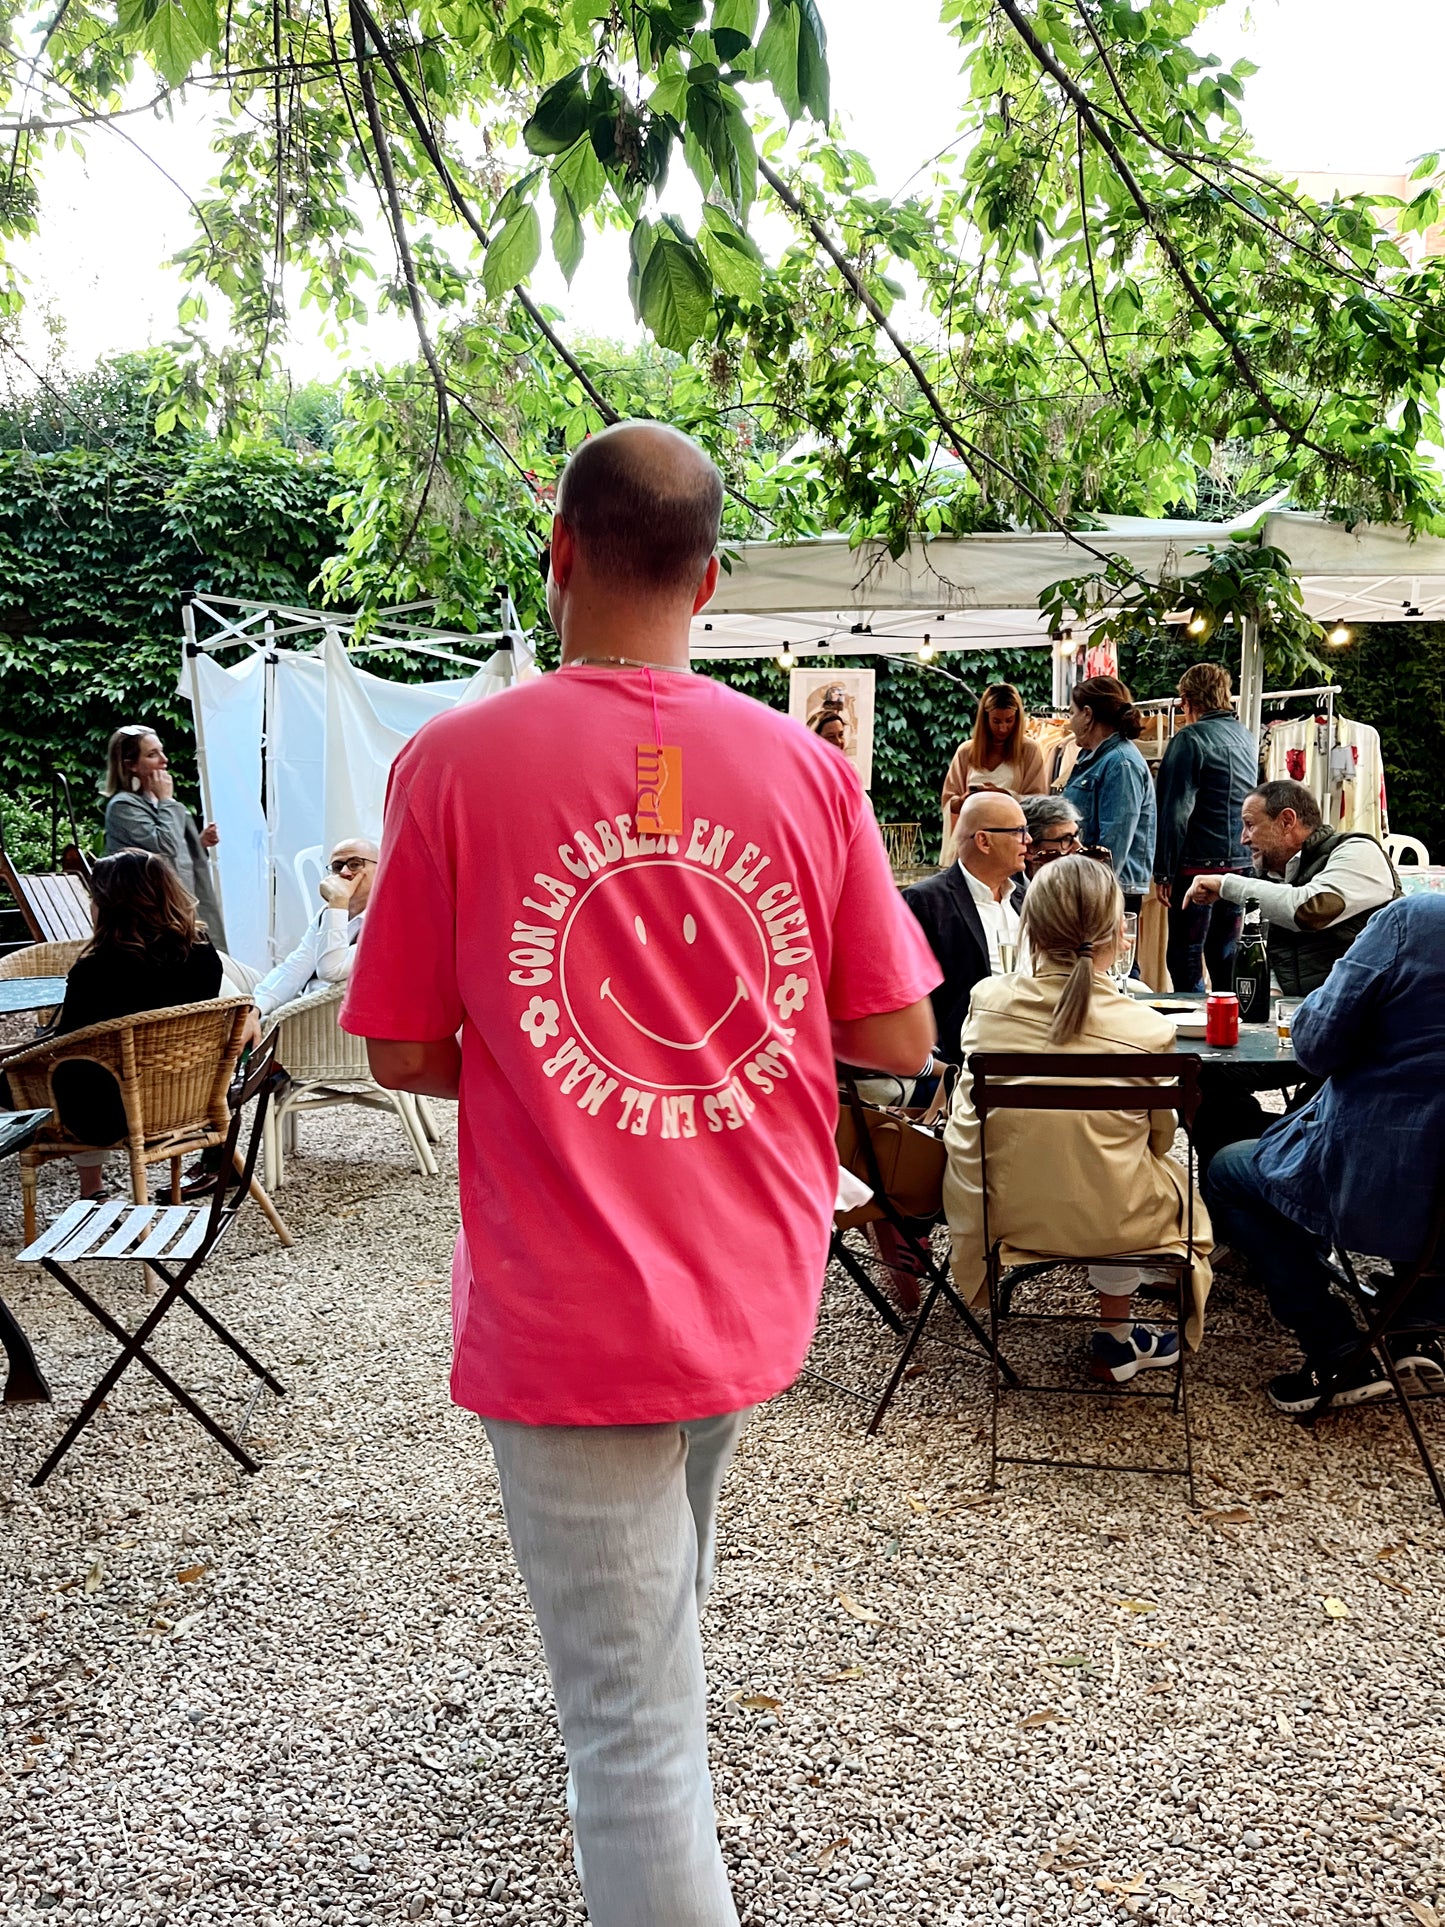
<point>1061,845</point>
<point>544,561</point>
<point>343,866</point>
<point>1004,829</point>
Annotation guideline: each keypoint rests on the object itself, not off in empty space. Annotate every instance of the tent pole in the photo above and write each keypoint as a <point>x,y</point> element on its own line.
<point>203,768</point>
<point>1251,677</point>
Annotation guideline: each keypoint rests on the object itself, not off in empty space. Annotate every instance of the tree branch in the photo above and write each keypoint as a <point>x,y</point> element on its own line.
<point>968,452</point>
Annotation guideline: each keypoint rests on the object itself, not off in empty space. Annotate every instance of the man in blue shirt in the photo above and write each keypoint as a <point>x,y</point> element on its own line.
<point>1362,1164</point>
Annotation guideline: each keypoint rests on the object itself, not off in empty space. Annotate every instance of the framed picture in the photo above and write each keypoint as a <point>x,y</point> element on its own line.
<point>838,705</point>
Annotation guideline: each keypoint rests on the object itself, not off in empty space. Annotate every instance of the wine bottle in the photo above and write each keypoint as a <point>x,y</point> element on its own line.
<point>1251,966</point>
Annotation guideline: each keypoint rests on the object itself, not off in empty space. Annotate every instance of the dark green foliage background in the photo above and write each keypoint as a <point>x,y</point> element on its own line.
<point>97,547</point>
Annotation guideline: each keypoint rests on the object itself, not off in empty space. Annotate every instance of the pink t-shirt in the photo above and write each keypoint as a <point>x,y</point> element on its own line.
<point>648,1095</point>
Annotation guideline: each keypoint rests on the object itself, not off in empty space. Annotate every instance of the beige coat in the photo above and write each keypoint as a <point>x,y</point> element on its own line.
<point>1085,1184</point>
<point>1031,782</point>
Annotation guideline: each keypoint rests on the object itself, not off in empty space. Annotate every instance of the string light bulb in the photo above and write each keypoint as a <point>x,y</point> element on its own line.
<point>925,654</point>
<point>785,661</point>
<point>1198,625</point>
<point>1338,636</point>
<point>1067,645</point>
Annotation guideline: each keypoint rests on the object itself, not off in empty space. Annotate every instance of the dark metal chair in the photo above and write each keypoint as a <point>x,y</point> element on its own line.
<point>916,1231</point>
<point>1085,1081</point>
<point>1382,1300</point>
<point>175,1241</point>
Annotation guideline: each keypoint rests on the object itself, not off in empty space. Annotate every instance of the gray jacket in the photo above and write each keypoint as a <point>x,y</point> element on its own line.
<point>134,820</point>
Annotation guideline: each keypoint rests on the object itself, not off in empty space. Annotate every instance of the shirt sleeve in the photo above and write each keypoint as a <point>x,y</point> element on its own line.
<point>1332,1026</point>
<point>1356,877</point>
<point>335,952</point>
<point>289,977</point>
<point>403,984</point>
<point>881,959</point>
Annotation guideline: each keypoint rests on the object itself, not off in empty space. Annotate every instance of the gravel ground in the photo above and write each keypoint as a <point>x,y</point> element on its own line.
<point>317,1694</point>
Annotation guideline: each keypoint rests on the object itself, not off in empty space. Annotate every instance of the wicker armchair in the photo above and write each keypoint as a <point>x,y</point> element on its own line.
<point>42,959</point>
<point>327,1066</point>
<point>173,1068</point>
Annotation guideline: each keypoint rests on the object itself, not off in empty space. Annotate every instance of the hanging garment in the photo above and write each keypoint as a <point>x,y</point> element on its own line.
<point>1346,775</point>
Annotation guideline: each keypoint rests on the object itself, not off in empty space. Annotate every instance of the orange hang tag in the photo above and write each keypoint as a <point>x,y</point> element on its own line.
<point>659,790</point>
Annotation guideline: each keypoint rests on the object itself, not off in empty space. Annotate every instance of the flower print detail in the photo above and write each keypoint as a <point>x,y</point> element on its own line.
<point>539,1020</point>
<point>790,995</point>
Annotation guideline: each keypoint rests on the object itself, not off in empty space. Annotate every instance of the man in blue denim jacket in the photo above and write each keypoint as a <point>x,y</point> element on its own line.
<point>1362,1164</point>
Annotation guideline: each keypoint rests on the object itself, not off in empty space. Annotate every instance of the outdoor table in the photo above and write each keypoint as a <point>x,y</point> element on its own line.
<point>30,993</point>
<point>25,1382</point>
<point>1258,1043</point>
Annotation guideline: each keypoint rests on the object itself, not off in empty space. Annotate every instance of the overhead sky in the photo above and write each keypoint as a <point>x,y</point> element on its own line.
<point>1341,87</point>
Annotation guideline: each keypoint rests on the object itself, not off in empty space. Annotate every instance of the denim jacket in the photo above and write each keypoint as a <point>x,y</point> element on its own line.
<point>1111,790</point>
<point>1207,771</point>
<point>1362,1163</point>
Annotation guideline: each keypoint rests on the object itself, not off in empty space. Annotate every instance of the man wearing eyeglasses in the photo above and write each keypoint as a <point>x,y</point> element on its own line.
<point>1053,826</point>
<point>325,954</point>
<point>970,911</point>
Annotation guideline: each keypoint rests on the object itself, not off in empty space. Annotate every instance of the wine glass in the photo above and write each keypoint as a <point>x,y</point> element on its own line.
<point>1128,944</point>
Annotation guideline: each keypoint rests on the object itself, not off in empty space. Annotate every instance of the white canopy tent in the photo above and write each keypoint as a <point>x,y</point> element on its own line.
<point>824,597</point>
<point>295,741</point>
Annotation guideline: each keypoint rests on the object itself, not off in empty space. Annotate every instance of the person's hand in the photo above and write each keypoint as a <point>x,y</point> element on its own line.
<point>1203,890</point>
<point>210,836</point>
<point>1165,893</point>
<point>337,892</point>
<point>161,785</point>
<point>251,1035</point>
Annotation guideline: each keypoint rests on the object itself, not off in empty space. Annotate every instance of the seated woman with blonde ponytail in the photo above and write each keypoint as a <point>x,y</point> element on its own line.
<point>1078,1183</point>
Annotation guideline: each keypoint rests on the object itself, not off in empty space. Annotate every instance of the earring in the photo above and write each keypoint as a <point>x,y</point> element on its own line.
<point>135,782</point>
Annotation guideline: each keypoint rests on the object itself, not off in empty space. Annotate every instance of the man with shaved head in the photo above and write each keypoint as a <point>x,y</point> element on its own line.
<point>326,952</point>
<point>629,917</point>
<point>971,909</point>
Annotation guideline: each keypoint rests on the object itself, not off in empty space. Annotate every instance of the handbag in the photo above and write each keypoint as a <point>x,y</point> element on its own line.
<point>897,1150</point>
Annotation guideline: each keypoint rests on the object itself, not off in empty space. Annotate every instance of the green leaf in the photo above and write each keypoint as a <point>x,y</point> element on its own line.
<point>778,55</point>
<point>566,232</point>
<point>675,293</point>
<point>560,116</point>
<point>640,244</point>
<point>737,266</point>
<point>514,252</point>
<point>735,16</point>
<point>174,34</point>
<point>582,174</point>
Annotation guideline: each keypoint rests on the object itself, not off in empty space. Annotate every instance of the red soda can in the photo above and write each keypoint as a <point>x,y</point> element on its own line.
<point>1221,1018</point>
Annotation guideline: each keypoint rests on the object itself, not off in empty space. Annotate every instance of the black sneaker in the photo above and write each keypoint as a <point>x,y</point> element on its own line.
<point>1301,1391</point>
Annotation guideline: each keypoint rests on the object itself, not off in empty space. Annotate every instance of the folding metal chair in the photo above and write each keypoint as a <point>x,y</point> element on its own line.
<point>883,1208</point>
<point>1382,1303</point>
<point>1015,1081</point>
<point>174,1240</point>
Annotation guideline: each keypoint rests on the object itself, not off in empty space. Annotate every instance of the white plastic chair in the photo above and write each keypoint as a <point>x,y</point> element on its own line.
<point>1397,847</point>
<point>328,1066</point>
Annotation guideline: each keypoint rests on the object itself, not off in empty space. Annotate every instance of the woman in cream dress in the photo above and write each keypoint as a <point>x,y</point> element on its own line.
<point>1082,1183</point>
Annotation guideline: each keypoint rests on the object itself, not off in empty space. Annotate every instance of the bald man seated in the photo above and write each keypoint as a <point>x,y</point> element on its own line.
<point>972,908</point>
<point>324,955</point>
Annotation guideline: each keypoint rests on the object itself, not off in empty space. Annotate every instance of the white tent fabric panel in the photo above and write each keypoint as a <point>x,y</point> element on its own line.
<point>852,632</point>
<point>229,723</point>
<point>316,736</point>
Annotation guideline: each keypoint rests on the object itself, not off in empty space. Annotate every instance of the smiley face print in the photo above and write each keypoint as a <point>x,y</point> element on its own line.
<point>664,970</point>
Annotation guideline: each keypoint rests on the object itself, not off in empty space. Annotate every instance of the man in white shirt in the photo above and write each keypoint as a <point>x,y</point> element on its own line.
<point>324,955</point>
<point>968,911</point>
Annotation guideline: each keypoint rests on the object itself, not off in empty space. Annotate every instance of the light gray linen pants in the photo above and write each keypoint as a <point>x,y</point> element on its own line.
<point>613,1527</point>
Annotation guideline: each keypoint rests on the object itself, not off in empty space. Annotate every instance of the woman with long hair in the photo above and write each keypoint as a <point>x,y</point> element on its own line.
<point>997,756</point>
<point>142,812</point>
<point>1110,785</point>
<point>1083,1183</point>
<point>147,953</point>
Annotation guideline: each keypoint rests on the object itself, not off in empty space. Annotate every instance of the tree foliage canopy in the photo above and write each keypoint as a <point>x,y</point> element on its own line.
<point>1101,300</point>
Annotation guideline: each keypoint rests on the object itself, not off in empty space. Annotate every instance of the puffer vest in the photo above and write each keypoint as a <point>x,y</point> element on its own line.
<point>1300,960</point>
